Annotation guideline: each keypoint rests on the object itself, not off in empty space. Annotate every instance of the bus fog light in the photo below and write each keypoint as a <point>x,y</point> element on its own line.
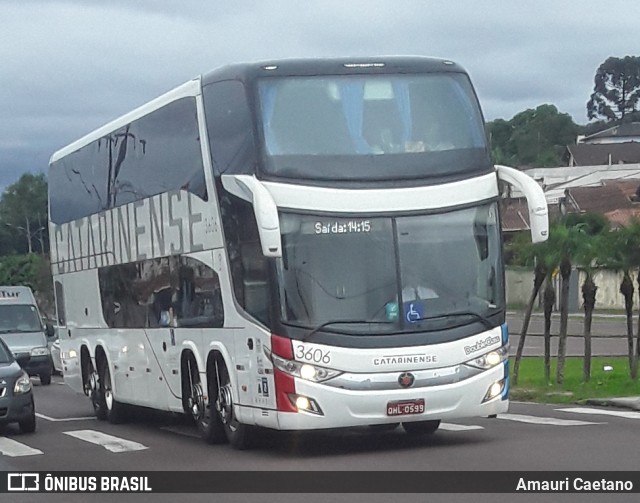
<point>306,404</point>
<point>302,402</point>
<point>494,390</point>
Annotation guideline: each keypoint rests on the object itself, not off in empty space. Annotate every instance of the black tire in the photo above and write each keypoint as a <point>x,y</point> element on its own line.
<point>421,427</point>
<point>115,412</point>
<point>93,389</point>
<point>45,379</point>
<point>196,407</point>
<point>28,425</point>
<point>239,435</point>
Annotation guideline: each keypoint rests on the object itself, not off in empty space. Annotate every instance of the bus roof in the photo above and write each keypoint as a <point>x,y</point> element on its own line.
<point>332,66</point>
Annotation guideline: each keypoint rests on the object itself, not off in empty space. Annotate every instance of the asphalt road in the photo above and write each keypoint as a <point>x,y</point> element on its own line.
<point>530,438</point>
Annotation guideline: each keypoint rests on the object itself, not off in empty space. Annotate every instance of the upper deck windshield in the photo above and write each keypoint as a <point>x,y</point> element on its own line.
<point>391,274</point>
<point>371,126</point>
<point>19,318</point>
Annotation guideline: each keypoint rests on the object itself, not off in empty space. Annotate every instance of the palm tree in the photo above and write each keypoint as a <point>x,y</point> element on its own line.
<point>549,300</point>
<point>539,274</point>
<point>562,245</point>
<point>586,256</point>
<point>619,255</point>
<point>593,229</point>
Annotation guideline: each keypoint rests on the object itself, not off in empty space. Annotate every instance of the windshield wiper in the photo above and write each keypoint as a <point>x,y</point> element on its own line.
<point>350,322</point>
<point>484,320</point>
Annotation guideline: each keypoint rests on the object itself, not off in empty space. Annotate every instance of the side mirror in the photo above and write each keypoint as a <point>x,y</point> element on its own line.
<point>49,330</point>
<point>538,211</point>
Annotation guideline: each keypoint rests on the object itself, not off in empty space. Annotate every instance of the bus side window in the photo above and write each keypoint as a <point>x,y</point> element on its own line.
<point>248,264</point>
<point>197,301</point>
<point>60,309</point>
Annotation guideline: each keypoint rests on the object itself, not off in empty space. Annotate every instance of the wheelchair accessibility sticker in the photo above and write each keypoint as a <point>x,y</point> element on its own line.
<point>413,311</point>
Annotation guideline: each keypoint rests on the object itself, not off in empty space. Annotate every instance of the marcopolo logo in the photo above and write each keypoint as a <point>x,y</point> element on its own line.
<point>481,344</point>
<point>22,482</point>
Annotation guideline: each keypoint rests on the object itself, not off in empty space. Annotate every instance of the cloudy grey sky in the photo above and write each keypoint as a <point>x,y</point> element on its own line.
<point>69,66</point>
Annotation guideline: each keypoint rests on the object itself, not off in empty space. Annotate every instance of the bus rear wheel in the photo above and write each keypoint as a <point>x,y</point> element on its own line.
<point>197,406</point>
<point>239,435</point>
<point>421,427</point>
<point>114,411</point>
<point>93,389</point>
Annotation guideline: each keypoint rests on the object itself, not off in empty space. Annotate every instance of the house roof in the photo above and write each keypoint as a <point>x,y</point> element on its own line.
<point>515,215</point>
<point>628,129</point>
<point>613,200</point>
<point>593,154</point>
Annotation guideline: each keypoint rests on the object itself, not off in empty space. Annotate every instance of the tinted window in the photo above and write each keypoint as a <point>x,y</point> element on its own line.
<point>156,153</point>
<point>382,127</point>
<point>175,291</point>
<point>60,309</point>
<point>230,127</point>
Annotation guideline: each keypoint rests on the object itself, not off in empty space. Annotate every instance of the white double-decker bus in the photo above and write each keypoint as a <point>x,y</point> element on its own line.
<point>295,245</point>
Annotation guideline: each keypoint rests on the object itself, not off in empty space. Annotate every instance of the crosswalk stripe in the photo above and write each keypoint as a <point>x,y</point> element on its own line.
<point>109,442</point>
<point>604,412</point>
<point>13,449</point>
<point>459,427</point>
<point>55,419</point>
<point>543,420</point>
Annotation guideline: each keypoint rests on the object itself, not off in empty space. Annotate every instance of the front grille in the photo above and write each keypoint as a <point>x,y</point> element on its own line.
<point>3,411</point>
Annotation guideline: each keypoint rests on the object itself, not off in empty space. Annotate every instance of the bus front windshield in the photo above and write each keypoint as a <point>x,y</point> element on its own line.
<point>391,274</point>
<point>355,126</point>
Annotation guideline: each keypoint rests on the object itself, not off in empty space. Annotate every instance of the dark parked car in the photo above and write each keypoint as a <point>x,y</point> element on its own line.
<point>16,395</point>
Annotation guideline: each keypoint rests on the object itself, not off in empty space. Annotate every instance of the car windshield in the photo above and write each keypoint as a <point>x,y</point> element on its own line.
<point>391,274</point>
<point>330,126</point>
<point>19,318</point>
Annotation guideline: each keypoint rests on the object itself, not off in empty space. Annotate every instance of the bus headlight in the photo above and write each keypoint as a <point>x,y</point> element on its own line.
<point>303,370</point>
<point>40,352</point>
<point>490,359</point>
<point>23,385</point>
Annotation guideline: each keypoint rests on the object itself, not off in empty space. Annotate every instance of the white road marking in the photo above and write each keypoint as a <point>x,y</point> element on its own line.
<point>54,419</point>
<point>543,420</point>
<point>605,412</point>
<point>459,427</point>
<point>109,442</point>
<point>13,449</point>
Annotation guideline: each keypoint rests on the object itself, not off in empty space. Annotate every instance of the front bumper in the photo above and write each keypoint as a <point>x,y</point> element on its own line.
<point>39,365</point>
<point>14,408</point>
<point>345,408</point>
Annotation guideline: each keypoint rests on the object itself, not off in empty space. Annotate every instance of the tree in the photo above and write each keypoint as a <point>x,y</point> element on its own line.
<point>589,251</point>
<point>622,254</point>
<point>532,137</point>
<point>562,246</point>
<point>23,210</point>
<point>529,253</point>
<point>616,90</point>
